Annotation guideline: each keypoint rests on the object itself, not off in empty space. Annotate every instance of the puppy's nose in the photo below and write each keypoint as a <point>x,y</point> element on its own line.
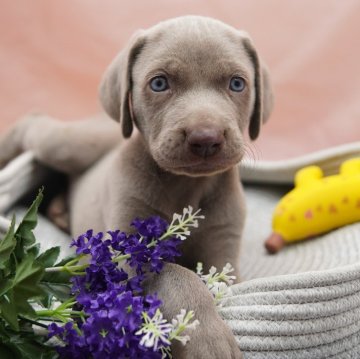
<point>205,142</point>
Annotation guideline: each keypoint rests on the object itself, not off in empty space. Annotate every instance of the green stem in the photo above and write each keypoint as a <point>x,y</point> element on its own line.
<point>65,268</point>
<point>69,266</point>
<point>121,258</point>
<point>56,313</point>
<point>75,260</point>
<point>69,303</point>
<point>62,312</point>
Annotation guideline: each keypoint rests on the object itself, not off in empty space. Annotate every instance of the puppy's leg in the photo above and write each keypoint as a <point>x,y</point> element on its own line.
<point>218,239</point>
<point>179,288</point>
<point>67,147</point>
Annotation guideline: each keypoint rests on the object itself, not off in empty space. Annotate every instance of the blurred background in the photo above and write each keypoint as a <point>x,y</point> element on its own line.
<point>53,54</point>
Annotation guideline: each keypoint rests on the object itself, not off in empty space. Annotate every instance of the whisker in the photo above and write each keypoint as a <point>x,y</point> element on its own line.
<point>252,152</point>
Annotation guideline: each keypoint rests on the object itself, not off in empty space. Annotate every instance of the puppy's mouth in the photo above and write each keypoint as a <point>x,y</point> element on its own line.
<point>202,166</point>
<point>201,152</point>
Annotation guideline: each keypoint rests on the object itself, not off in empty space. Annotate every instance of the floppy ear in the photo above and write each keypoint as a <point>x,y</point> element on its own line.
<point>115,87</point>
<point>264,98</point>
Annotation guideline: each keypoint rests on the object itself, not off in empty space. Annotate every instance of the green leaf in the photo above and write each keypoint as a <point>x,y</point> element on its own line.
<point>32,350</point>
<point>22,348</point>
<point>20,274</point>
<point>24,344</point>
<point>18,290</point>
<point>66,260</point>
<point>61,291</point>
<point>59,277</point>
<point>8,310</point>
<point>26,284</point>
<point>7,245</point>
<point>28,271</point>
<point>49,257</point>
<point>5,286</point>
<point>34,249</point>
<point>24,233</point>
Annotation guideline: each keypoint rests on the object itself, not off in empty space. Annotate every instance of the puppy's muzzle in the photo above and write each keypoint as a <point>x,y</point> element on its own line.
<point>205,142</point>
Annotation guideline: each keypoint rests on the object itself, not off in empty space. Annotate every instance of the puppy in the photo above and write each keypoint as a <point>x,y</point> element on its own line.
<point>184,92</point>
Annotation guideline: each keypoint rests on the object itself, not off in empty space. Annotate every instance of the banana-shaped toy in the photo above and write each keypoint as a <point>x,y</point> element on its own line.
<point>316,205</point>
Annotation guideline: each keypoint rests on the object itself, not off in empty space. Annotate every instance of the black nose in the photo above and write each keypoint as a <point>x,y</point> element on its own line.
<point>205,142</point>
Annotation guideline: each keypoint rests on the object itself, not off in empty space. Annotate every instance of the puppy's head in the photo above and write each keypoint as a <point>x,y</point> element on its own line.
<point>192,86</point>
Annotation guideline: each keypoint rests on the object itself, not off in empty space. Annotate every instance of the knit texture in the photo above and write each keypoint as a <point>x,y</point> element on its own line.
<point>310,315</point>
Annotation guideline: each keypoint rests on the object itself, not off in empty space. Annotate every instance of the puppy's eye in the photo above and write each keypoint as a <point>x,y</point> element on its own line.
<point>159,83</point>
<point>237,84</point>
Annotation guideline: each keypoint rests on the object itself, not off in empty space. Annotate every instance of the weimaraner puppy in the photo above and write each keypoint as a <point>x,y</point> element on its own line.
<point>185,92</point>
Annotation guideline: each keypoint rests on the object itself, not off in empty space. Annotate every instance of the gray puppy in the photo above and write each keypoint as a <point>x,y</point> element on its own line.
<point>191,87</point>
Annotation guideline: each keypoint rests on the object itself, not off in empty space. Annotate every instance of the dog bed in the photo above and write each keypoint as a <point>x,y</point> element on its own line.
<point>303,302</point>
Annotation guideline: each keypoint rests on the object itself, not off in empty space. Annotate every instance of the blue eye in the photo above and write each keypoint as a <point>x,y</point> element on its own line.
<point>159,84</point>
<point>237,84</point>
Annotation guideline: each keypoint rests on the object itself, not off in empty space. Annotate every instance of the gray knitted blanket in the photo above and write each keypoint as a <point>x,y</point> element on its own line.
<point>303,302</point>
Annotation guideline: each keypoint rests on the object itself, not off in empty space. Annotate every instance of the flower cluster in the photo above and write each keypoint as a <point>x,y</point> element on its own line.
<point>116,319</point>
<point>217,283</point>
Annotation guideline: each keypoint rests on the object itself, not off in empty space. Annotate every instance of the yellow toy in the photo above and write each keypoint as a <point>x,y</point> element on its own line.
<point>316,205</point>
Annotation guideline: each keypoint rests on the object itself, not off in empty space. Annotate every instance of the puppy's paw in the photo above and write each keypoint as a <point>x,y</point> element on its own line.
<point>179,288</point>
<point>212,340</point>
<point>214,343</point>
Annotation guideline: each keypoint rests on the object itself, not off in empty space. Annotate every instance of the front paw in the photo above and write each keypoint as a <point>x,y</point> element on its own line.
<point>179,288</point>
<point>211,340</point>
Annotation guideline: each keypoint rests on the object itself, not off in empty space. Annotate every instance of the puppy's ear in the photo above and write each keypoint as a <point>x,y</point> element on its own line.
<point>264,98</point>
<point>116,84</point>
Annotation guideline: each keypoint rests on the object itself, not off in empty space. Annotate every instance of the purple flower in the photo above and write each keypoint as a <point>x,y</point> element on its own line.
<point>109,328</point>
<point>110,298</point>
<point>134,283</point>
<point>153,227</point>
<point>164,251</point>
<point>74,344</point>
<point>153,303</point>
<point>147,252</point>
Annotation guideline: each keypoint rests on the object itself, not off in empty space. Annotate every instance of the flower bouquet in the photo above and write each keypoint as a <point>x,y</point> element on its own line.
<point>88,305</point>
